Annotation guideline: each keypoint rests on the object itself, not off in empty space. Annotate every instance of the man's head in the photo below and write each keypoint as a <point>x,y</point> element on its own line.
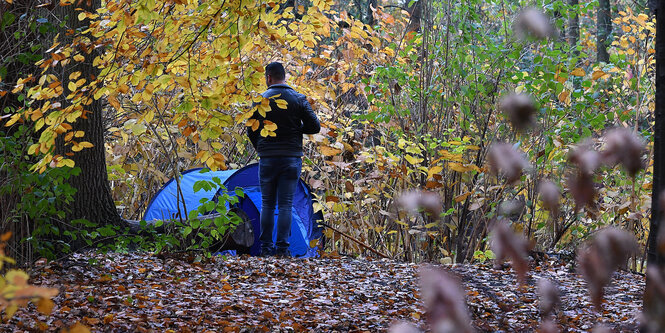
<point>275,73</point>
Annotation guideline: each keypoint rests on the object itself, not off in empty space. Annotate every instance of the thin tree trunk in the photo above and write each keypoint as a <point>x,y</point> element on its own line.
<point>574,35</point>
<point>652,4</point>
<point>371,4</point>
<point>653,256</point>
<point>415,11</point>
<point>574,26</point>
<point>653,305</point>
<point>604,27</point>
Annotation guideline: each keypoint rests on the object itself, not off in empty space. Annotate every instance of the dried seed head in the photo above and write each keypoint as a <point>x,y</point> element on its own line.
<point>506,244</point>
<point>585,158</point>
<point>413,201</point>
<point>600,328</point>
<point>625,147</point>
<point>582,189</point>
<point>506,161</point>
<point>550,195</point>
<point>548,295</point>
<point>510,208</point>
<point>519,109</point>
<point>548,326</point>
<point>533,23</point>
<point>609,249</point>
<point>403,327</point>
<point>444,300</point>
<point>617,245</point>
<point>654,300</point>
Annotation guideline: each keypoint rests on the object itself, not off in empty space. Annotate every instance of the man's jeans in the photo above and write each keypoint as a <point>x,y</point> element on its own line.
<point>279,177</point>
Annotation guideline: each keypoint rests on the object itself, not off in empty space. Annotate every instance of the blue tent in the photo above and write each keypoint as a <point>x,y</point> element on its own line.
<point>304,227</point>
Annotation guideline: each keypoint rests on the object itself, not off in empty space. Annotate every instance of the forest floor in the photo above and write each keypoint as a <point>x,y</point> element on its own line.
<point>150,293</point>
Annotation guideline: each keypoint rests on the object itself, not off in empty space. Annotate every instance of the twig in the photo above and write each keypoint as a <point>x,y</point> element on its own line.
<point>355,240</point>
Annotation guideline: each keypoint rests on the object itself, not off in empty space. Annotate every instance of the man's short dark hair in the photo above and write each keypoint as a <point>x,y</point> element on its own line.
<point>276,70</point>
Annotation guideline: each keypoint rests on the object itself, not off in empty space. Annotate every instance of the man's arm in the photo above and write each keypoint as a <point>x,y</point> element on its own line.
<point>310,122</point>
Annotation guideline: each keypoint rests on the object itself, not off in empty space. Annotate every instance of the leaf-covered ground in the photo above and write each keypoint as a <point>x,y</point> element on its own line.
<point>147,293</point>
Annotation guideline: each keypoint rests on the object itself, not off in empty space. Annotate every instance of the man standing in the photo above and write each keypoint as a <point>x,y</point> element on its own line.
<point>280,157</point>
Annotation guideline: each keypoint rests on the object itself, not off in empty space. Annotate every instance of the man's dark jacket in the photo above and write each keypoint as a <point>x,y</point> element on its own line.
<point>294,121</point>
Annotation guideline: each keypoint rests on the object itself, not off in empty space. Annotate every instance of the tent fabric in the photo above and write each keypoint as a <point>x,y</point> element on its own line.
<point>304,227</point>
<point>164,205</point>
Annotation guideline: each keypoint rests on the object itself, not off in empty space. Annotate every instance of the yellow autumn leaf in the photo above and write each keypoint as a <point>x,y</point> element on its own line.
<point>577,72</point>
<point>624,42</point>
<point>10,310</point>
<point>434,170</point>
<point>564,97</point>
<point>76,147</point>
<point>330,151</point>
<point>269,125</point>
<point>462,168</point>
<point>13,119</point>
<point>17,278</point>
<point>462,197</point>
<point>282,104</point>
<point>264,107</point>
<point>413,160</point>
<point>45,306</point>
<point>253,123</point>
<point>71,86</point>
<point>33,148</point>
<point>318,61</point>
<point>79,58</point>
<point>74,75</point>
<point>265,133</point>
<point>597,74</point>
<point>446,155</point>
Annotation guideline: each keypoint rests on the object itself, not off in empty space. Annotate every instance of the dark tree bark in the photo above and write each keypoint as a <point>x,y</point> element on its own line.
<point>653,256</point>
<point>654,306</point>
<point>574,25</point>
<point>652,4</point>
<point>574,35</point>
<point>415,11</point>
<point>370,13</point>
<point>604,28</point>
<point>92,200</point>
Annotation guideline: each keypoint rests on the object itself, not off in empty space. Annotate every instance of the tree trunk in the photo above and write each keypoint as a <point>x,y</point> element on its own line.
<point>653,257</point>
<point>604,27</point>
<point>652,4</point>
<point>574,36</point>
<point>654,306</point>
<point>92,200</point>
<point>415,11</point>
<point>574,26</point>
<point>371,4</point>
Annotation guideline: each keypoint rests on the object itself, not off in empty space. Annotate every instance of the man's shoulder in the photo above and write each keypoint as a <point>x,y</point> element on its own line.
<point>276,89</point>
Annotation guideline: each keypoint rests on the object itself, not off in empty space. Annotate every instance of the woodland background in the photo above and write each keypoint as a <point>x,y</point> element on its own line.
<point>104,101</point>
